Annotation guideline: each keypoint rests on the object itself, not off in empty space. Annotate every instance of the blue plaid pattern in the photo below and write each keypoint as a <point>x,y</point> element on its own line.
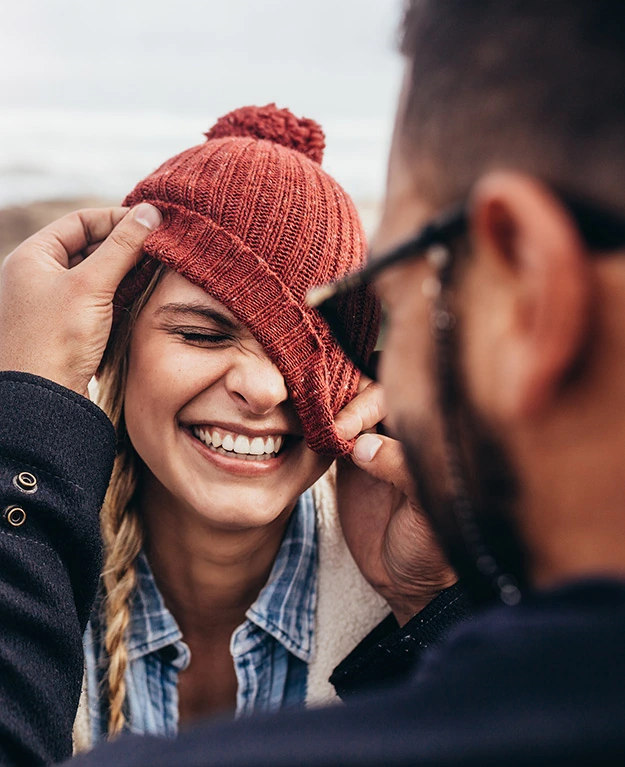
<point>271,649</point>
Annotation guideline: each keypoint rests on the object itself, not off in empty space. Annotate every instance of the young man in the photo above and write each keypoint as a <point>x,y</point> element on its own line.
<point>503,365</point>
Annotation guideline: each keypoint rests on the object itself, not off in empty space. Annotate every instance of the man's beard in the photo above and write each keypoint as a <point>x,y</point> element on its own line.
<point>459,443</point>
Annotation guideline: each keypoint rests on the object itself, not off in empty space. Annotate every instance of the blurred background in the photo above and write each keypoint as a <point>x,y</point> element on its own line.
<point>95,95</point>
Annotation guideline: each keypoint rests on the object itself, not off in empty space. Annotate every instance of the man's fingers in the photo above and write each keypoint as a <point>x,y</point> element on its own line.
<point>363,383</point>
<point>91,249</point>
<point>383,458</point>
<point>97,223</point>
<point>71,234</point>
<point>122,248</point>
<point>365,411</point>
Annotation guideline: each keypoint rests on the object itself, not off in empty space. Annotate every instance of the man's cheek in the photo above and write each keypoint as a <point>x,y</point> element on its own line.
<point>399,376</point>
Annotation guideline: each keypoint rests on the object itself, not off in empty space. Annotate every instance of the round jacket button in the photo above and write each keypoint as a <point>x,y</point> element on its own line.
<point>26,482</point>
<point>15,515</point>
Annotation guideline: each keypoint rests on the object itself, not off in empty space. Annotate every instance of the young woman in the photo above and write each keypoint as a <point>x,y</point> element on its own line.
<point>227,586</point>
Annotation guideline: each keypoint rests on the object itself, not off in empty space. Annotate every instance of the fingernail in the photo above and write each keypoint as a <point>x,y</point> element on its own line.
<point>147,215</point>
<point>366,447</point>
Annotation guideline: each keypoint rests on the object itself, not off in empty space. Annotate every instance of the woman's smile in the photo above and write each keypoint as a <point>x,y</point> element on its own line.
<point>241,454</point>
<point>257,448</point>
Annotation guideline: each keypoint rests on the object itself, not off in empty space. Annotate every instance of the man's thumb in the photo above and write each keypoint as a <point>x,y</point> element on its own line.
<point>123,247</point>
<point>366,448</point>
<point>382,458</point>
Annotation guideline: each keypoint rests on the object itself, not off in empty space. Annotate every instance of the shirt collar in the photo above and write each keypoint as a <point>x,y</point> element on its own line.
<point>152,627</point>
<point>285,608</point>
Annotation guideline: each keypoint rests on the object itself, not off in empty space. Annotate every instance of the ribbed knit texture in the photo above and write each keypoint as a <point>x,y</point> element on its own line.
<point>251,217</point>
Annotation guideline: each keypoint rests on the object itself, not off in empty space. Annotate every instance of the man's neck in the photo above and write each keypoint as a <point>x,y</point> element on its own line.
<point>573,511</point>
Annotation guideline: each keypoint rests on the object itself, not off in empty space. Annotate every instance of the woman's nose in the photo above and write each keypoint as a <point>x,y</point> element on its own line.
<point>256,383</point>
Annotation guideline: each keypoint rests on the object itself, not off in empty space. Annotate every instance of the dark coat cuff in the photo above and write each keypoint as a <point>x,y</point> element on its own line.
<point>390,653</point>
<point>68,444</point>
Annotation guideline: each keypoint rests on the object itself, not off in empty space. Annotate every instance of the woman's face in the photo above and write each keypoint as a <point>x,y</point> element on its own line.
<point>209,414</point>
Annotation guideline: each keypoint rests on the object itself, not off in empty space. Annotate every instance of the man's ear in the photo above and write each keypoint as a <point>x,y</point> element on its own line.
<point>533,258</point>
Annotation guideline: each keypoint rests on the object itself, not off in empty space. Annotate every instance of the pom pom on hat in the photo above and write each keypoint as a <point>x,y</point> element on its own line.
<point>272,124</point>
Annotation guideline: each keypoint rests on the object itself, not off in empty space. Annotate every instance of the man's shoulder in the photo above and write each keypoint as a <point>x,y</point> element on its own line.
<point>555,647</point>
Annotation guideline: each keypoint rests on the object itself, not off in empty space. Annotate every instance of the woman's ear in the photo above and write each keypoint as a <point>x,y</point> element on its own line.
<point>529,255</point>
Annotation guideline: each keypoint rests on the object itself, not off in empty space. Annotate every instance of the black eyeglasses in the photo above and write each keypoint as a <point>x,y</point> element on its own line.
<point>602,230</point>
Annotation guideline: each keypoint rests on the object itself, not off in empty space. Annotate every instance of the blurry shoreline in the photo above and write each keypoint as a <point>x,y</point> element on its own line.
<point>17,222</point>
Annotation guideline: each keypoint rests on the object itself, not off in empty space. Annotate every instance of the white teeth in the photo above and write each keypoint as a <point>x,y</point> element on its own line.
<point>242,445</point>
<point>258,447</point>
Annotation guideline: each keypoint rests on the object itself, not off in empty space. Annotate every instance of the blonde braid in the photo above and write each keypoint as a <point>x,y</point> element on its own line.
<point>122,529</point>
<point>123,538</point>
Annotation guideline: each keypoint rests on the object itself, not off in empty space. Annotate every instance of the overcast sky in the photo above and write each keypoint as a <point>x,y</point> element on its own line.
<point>96,93</point>
<point>329,57</point>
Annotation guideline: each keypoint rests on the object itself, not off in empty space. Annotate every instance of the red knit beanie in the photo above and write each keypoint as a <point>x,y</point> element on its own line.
<point>251,217</point>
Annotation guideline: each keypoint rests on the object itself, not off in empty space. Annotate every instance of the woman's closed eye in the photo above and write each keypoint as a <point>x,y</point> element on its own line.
<point>202,336</point>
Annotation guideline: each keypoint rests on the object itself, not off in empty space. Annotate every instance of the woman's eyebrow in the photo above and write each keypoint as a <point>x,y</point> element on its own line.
<point>201,311</point>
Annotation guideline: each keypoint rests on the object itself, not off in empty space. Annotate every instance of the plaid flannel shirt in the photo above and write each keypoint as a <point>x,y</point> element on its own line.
<point>271,649</point>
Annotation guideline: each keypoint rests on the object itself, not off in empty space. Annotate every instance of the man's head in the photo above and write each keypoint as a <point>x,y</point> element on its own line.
<point>525,84</point>
<point>506,106</point>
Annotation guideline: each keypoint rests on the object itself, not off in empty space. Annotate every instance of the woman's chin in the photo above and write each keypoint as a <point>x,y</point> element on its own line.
<point>245,512</point>
<point>231,493</point>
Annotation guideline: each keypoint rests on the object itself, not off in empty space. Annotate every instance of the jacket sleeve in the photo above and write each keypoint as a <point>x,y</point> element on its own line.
<point>390,653</point>
<point>56,454</point>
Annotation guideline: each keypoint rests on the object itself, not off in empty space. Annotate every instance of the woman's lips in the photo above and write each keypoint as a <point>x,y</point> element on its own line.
<point>259,448</point>
<point>243,463</point>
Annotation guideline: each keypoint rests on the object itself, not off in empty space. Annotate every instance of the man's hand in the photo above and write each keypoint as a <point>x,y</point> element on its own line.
<point>57,288</point>
<point>383,525</point>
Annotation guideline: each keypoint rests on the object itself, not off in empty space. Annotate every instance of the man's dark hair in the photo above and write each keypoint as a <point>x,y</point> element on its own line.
<point>536,85</point>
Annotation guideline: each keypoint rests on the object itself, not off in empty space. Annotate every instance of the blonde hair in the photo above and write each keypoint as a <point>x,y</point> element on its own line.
<point>122,528</point>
